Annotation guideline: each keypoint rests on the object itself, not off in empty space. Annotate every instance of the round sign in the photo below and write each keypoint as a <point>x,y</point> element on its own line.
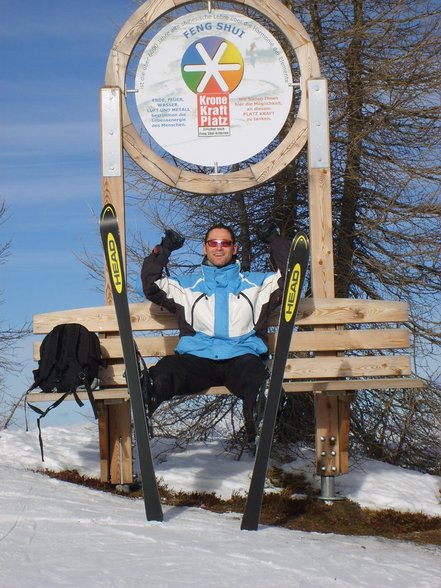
<point>214,88</point>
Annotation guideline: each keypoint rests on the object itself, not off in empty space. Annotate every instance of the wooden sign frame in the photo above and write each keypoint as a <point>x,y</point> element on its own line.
<point>204,183</point>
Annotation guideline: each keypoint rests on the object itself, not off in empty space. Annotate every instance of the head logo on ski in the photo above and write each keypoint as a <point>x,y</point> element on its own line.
<point>115,265</point>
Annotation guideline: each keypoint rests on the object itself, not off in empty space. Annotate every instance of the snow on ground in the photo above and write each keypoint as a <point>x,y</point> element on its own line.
<point>57,534</point>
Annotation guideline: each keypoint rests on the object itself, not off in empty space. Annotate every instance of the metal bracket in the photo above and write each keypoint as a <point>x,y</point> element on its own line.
<point>318,123</point>
<point>111,144</point>
<point>216,171</point>
<point>296,84</point>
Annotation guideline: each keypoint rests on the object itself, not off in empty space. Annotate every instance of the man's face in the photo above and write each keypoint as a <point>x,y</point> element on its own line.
<point>218,252</point>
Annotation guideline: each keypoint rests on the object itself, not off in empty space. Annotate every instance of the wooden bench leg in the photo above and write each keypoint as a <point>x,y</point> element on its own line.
<point>332,415</point>
<point>115,440</point>
<point>344,415</point>
<point>327,434</point>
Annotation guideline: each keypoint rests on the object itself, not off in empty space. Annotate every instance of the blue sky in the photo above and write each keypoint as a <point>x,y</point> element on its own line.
<point>53,59</point>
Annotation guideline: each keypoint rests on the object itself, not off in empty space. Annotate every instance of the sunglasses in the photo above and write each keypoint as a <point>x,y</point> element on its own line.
<point>221,242</point>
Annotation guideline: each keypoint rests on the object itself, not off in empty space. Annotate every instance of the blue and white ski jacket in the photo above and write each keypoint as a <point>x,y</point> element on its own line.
<point>221,312</point>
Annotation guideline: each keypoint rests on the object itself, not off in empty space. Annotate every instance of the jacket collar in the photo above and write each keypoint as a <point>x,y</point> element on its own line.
<point>222,277</point>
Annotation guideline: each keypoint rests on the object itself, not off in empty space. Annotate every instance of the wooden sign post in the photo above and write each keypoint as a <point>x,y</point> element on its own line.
<point>332,412</point>
<point>114,420</point>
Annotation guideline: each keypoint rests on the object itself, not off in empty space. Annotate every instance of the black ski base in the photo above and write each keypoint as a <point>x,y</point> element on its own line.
<point>114,258</point>
<point>294,279</point>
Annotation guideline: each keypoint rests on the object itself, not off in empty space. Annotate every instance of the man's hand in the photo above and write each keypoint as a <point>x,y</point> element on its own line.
<point>267,231</point>
<point>172,240</point>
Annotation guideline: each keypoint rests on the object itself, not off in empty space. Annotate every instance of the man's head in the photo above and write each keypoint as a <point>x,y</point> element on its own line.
<point>220,245</point>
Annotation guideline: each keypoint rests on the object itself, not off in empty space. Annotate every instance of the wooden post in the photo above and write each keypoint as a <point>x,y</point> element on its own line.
<point>115,432</point>
<point>332,413</point>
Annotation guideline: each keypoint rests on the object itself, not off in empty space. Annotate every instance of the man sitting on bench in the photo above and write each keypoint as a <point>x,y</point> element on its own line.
<point>222,315</point>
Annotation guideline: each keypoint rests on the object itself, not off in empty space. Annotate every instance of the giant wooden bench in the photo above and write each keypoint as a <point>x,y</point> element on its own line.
<point>332,355</point>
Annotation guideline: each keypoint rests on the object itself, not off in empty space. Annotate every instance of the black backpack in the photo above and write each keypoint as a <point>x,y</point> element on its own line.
<point>70,358</point>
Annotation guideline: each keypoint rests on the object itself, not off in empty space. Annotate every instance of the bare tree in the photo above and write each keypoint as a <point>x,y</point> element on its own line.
<point>9,336</point>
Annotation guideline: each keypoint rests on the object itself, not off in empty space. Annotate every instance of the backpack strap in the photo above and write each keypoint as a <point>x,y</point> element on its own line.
<point>84,348</point>
<point>87,349</point>
<point>43,413</point>
<point>86,384</point>
<point>80,349</point>
<point>70,344</point>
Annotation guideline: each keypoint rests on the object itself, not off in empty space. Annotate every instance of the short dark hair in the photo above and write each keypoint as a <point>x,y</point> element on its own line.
<point>220,226</point>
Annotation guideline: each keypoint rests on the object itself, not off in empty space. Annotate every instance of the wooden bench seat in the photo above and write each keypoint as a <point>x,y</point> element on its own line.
<point>342,345</point>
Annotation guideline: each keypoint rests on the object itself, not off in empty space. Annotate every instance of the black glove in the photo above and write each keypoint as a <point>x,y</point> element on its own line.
<point>172,240</point>
<point>268,231</point>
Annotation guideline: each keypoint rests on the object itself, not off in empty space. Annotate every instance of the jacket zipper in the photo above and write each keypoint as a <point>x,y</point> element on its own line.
<point>193,307</point>
<point>251,305</point>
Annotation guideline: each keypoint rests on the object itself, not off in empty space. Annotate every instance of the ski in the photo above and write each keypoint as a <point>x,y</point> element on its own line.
<point>110,236</point>
<point>294,278</point>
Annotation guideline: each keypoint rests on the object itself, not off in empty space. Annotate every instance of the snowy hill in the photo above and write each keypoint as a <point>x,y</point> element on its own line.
<point>57,534</point>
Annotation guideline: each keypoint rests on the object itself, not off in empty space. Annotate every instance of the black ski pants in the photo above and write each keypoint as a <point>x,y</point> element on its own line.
<point>179,375</point>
